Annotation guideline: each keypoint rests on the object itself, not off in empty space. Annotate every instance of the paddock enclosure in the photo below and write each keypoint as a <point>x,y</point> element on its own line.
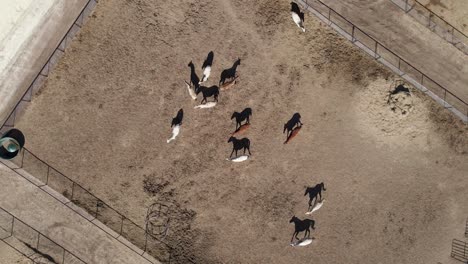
<point>395,183</point>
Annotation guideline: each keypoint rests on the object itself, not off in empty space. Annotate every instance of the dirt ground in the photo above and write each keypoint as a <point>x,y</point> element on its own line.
<point>395,182</point>
<point>453,11</point>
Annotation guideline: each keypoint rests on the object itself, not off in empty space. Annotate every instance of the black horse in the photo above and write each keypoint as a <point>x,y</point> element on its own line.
<point>314,193</point>
<point>208,92</point>
<point>193,76</point>
<point>229,73</point>
<point>244,115</point>
<point>300,226</point>
<point>238,144</point>
<point>294,121</point>
<point>178,119</point>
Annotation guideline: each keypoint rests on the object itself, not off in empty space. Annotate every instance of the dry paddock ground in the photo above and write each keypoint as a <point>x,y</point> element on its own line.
<point>396,184</point>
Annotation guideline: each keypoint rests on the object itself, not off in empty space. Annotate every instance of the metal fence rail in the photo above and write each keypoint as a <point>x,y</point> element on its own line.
<point>48,66</point>
<point>95,210</point>
<point>460,250</point>
<point>32,243</point>
<point>387,57</point>
<point>435,23</point>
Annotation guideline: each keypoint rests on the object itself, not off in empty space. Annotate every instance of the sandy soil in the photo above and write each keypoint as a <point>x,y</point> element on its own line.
<point>395,183</point>
<point>453,11</point>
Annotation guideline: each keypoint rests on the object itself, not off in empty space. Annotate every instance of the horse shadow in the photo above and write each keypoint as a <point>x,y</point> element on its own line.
<point>229,74</point>
<point>314,193</point>
<point>178,119</point>
<point>240,117</point>
<point>292,123</point>
<point>209,60</point>
<point>301,226</point>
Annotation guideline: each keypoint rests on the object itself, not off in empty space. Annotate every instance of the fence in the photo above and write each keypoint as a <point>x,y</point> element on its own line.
<point>460,250</point>
<point>48,66</point>
<point>32,243</point>
<point>76,197</point>
<point>466,228</point>
<point>387,57</point>
<point>435,23</point>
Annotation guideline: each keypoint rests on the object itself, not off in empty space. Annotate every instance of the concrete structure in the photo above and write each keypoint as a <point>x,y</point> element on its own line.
<point>29,33</point>
<point>60,223</point>
<point>409,39</point>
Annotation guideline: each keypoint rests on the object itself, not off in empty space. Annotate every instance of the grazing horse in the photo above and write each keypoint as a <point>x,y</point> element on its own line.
<point>178,119</point>
<point>315,192</point>
<point>289,126</point>
<point>193,76</point>
<point>300,226</point>
<point>209,92</point>
<point>244,115</point>
<point>229,73</point>
<point>297,16</point>
<point>238,144</point>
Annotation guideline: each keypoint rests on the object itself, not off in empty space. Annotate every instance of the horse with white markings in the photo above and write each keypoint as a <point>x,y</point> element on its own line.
<point>297,16</point>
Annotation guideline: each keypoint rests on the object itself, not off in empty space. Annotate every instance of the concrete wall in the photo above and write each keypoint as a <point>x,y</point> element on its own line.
<point>30,30</point>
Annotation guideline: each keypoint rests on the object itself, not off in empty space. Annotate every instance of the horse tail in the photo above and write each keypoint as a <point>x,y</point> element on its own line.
<point>312,223</point>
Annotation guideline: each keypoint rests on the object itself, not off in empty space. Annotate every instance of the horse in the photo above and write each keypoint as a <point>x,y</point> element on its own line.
<point>294,133</point>
<point>209,92</point>
<point>238,144</point>
<point>229,73</point>
<point>193,76</point>
<point>289,126</point>
<point>314,192</point>
<point>207,67</point>
<point>178,119</point>
<point>244,115</point>
<point>300,226</point>
<point>297,16</point>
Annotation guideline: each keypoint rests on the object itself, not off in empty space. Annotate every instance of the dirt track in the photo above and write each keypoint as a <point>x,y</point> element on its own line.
<point>395,183</point>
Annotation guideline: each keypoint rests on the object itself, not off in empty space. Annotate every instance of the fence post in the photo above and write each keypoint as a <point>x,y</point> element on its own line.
<point>375,49</point>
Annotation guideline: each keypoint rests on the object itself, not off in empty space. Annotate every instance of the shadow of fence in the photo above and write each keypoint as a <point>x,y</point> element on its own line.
<point>435,23</point>
<point>387,57</point>
<point>32,243</point>
<point>460,250</point>
<point>93,209</point>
